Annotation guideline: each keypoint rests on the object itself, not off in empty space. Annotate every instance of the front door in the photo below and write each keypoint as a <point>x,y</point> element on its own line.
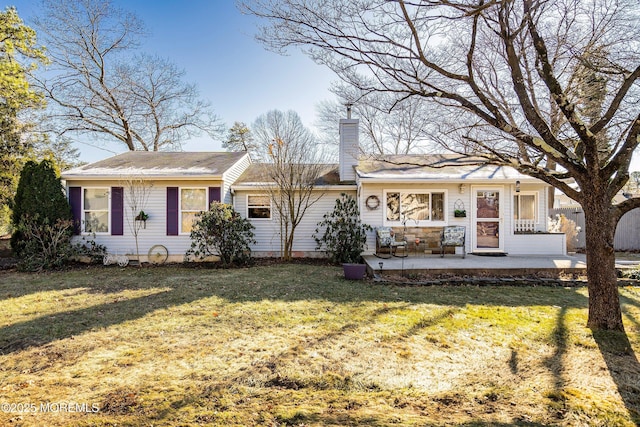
<point>488,235</point>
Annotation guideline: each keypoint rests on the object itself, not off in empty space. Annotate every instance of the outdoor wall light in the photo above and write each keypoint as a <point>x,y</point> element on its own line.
<point>461,188</point>
<point>517,186</point>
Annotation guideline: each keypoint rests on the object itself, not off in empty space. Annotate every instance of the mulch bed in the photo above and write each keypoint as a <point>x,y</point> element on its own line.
<point>574,280</point>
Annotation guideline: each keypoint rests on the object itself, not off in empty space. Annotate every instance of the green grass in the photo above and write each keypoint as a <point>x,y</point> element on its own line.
<point>298,345</point>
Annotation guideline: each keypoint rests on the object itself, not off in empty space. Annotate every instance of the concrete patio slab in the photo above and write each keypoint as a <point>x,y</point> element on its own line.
<point>510,265</point>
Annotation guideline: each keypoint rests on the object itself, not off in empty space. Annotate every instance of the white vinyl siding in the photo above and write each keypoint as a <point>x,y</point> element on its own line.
<point>455,199</point>
<point>267,233</point>
<point>230,176</point>
<point>155,231</point>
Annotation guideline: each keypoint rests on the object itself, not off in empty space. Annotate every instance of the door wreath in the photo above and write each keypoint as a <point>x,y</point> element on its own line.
<point>372,202</point>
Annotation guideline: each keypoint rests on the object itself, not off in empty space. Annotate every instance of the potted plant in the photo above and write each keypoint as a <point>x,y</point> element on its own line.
<point>460,213</point>
<point>142,216</point>
<point>344,236</point>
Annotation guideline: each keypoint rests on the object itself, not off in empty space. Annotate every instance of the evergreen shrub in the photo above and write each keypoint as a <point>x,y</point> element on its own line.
<point>344,236</point>
<point>221,231</point>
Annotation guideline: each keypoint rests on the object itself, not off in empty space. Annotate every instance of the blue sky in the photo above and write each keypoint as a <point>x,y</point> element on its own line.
<point>214,43</point>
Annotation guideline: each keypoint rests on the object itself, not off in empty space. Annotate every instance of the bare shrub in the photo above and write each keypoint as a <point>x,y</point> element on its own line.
<point>562,224</point>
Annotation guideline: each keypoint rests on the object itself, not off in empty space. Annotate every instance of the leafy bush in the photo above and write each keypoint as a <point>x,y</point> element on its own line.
<point>44,246</point>
<point>49,246</point>
<point>40,201</point>
<point>344,236</point>
<point>221,231</point>
<point>91,249</point>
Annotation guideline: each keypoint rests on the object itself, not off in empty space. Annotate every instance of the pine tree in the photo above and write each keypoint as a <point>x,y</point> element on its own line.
<point>40,197</point>
<point>240,138</point>
<point>19,55</point>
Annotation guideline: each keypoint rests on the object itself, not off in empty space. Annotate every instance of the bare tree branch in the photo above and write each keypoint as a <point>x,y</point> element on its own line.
<point>99,86</point>
<point>293,167</point>
<point>535,85</point>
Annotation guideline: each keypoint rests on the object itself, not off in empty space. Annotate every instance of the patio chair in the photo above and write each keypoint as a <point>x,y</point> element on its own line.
<point>453,235</point>
<point>385,241</point>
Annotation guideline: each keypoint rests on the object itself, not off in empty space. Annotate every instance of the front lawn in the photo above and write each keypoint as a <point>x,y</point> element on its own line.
<point>297,345</point>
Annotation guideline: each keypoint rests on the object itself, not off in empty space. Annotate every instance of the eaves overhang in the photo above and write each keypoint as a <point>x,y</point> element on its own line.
<point>265,186</point>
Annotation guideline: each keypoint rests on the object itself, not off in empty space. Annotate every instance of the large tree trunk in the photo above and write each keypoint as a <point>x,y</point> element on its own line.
<point>604,300</point>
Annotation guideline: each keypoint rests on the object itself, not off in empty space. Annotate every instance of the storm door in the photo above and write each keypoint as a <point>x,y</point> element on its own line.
<point>488,235</point>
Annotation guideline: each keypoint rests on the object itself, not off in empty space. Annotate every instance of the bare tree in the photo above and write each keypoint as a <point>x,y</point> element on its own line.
<point>164,109</point>
<point>99,86</point>
<point>500,76</point>
<point>137,191</point>
<point>291,171</point>
<point>386,126</point>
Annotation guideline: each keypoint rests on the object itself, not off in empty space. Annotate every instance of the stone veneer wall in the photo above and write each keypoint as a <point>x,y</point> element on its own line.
<point>429,238</point>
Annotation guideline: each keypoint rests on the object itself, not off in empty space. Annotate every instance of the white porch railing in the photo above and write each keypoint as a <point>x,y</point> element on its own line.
<point>525,226</point>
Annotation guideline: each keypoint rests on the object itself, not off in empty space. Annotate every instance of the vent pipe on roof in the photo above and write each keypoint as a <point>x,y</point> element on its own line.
<point>349,110</point>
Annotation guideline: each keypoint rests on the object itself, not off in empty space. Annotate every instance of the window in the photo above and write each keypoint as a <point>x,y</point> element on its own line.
<point>415,206</point>
<point>524,207</point>
<point>192,202</point>
<point>258,207</point>
<point>393,206</point>
<point>95,213</point>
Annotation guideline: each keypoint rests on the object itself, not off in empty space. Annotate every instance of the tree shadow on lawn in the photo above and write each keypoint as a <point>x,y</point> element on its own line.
<point>617,352</point>
<point>235,286</point>
<point>95,279</point>
<point>58,326</point>
<point>622,361</point>
<point>624,368</point>
<point>372,421</point>
<point>188,285</point>
<point>298,284</point>
<point>12,288</point>
<point>625,299</point>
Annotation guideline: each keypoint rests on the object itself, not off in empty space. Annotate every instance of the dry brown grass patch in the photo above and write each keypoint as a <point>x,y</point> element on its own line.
<point>298,345</point>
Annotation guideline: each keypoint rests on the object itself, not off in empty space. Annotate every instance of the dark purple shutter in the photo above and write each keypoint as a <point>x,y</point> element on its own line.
<point>214,195</point>
<point>117,211</point>
<point>75,200</point>
<point>172,211</point>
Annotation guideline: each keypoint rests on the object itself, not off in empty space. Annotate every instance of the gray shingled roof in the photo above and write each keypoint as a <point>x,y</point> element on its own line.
<point>258,173</point>
<point>158,164</point>
<point>435,167</point>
